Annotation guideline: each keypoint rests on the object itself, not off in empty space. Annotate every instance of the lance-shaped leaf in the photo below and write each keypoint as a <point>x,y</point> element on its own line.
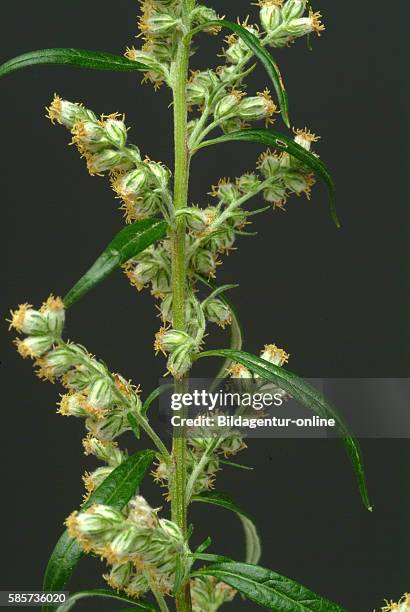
<point>116,491</point>
<point>140,605</point>
<point>252,541</point>
<point>307,395</point>
<point>268,589</point>
<point>130,241</point>
<point>262,54</point>
<point>96,60</point>
<point>236,329</point>
<point>271,138</point>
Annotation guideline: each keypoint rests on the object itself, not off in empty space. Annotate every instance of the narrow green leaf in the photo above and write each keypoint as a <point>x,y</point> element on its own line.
<point>104,593</point>
<point>236,329</point>
<point>269,589</point>
<point>252,541</point>
<point>130,241</point>
<point>116,490</point>
<point>263,56</point>
<point>307,395</point>
<point>238,466</point>
<point>96,60</point>
<point>134,425</point>
<point>204,546</point>
<point>284,143</point>
<point>155,394</point>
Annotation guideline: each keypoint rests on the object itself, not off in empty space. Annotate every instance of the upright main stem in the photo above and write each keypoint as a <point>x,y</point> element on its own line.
<point>181,177</point>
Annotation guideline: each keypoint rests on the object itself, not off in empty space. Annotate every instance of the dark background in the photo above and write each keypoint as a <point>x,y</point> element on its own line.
<point>335,299</point>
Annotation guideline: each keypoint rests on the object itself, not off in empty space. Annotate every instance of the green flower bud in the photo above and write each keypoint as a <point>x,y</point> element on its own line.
<point>232,125</point>
<point>293,9</point>
<point>98,520</point>
<point>232,445</point>
<point>296,182</point>
<point>77,379</point>
<point>269,164</point>
<point>108,160</point>
<point>100,395</point>
<point>305,25</point>
<point>204,262</point>
<point>130,186</point>
<point>93,480</point>
<point>248,183</point>
<point>127,542</point>
<point>202,14</point>
<point>200,85</point>
<point>66,113</point>
<point>34,346</point>
<point>257,107</point>
<point>168,340</point>
<point>159,23</point>
<point>270,14</point>
<point>218,312</point>
<point>89,136</point>
<point>28,321</point>
<point>226,191</point>
<point>180,360</point>
<point>55,363</point>
<point>54,313</point>
<point>116,131</point>
<point>137,586</point>
<point>105,450</point>
<point>228,104</point>
<point>110,426</point>
<point>73,404</point>
<point>276,192</point>
<point>160,175</point>
<point>119,575</point>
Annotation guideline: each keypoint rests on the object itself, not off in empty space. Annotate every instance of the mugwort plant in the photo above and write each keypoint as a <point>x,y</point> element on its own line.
<point>174,249</point>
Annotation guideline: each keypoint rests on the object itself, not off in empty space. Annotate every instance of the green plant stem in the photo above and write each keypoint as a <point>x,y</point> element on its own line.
<point>181,177</point>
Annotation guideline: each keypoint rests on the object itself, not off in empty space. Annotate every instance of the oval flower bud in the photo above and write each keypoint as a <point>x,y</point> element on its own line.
<point>55,363</point>
<point>130,186</point>
<point>119,575</point>
<point>28,321</point>
<point>200,86</point>
<point>305,25</point>
<point>100,395</point>
<point>296,182</point>
<point>116,131</point>
<point>53,311</point>
<point>160,174</point>
<point>105,450</point>
<point>269,164</point>
<point>228,104</point>
<point>218,312</point>
<point>226,191</point>
<point>270,14</point>
<point>257,107</point>
<point>168,340</point>
<point>73,404</point>
<point>293,9</point>
<point>34,346</point>
<point>275,193</point>
<point>157,23</point>
<point>205,262</point>
<point>64,112</point>
<point>248,183</point>
<point>305,137</point>
<point>89,136</point>
<point>107,160</point>
<point>98,520</point>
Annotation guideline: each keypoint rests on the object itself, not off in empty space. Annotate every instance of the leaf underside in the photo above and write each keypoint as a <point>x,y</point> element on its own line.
<point>81,58</point>
<point>307,395</point>
<point>116,491</point>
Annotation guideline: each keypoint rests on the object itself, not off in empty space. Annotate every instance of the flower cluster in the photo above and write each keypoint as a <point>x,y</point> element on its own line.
<point>208,595</point>
<point>161,24</point>
<point>143,186</point>
<point>143,550</point>
<point>102,399</point>
<point>283,22</point>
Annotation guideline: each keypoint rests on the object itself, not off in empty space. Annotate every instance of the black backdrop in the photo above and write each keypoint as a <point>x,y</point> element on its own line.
<point>335,299</point>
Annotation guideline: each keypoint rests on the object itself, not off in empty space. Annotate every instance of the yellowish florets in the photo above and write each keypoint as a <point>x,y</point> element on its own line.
<point>18,316</point>
<point>402,605</point>
<point>275,354</point>
<point>317,25</point>
<point>52,303</point>
<point>54,110</point>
